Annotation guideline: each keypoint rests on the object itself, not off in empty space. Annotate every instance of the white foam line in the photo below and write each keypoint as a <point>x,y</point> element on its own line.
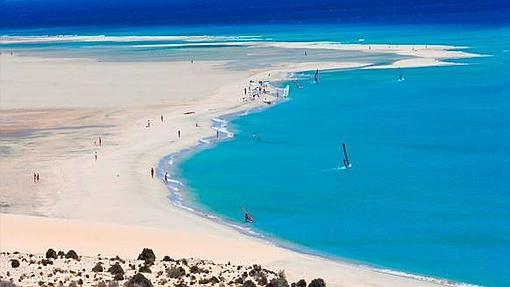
<point>176,181</point>
<point>218,120</point>
<point>233,44</point>
<point>103,38</point>
<point>439,281</point>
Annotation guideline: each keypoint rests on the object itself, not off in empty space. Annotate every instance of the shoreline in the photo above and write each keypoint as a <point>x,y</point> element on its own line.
<point>357,278</point>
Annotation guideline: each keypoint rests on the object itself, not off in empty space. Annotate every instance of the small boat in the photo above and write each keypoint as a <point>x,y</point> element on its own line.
<point>316,75</point>
<point>247,217</point>
<point>346,162</point>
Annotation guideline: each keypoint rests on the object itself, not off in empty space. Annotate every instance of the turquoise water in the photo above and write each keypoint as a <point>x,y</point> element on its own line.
<point>429,189</point>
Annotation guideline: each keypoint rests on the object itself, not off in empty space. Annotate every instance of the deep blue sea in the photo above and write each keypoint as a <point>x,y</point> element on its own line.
<point>429,190</point>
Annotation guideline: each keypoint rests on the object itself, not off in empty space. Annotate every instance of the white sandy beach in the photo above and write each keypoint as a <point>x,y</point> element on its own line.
<point>112,206</point>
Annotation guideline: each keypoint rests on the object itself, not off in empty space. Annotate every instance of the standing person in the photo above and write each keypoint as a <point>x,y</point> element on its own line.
<point>245,91</point>
<point>161,118</point>
<point>95,155</point>
<point>179,133</point>
<point>166,177</point>
<point>148,124</point>
<point>217,133</point>
<point>37,177</point>
<point>152,172</point>
<point>100,142</point>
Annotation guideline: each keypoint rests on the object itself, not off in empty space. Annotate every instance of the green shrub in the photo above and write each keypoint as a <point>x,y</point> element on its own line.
<point>139,281</point>
<point>317,283</point>
<point>98,267</point>
<point>175,272</point>
<point>71,254</point>
<point>300,283</point>
<point>14,263</point>
<point>148,256</point>
<point>51,254</point>
<point>144,269</point>
<point>116,269</point>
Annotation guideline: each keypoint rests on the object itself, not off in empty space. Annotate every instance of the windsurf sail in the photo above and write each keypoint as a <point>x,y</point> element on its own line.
<point>400,75</point>
<point>347,164</point>
<point>247,217</point>
<point>286,91</point>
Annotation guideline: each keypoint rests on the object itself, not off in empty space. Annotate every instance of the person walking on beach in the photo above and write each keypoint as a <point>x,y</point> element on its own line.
<point>161,118</point>
<point>95,155</point>
<point>166,177</point>
<point>179,133</point>
<point>148,124</point>
<point>37,177</point>
<point>100,142</point>
<point>152,172</point>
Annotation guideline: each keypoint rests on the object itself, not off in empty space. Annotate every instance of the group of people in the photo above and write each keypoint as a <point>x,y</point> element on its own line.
<point>256,90</point>
<point>165,179</point>
<point>100,143</point>
<point>36,177</point>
